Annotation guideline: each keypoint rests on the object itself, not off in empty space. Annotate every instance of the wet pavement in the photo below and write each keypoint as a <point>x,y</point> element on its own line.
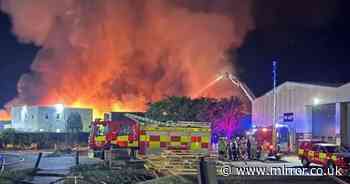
<point>48,167</point>
<point>61,166</point>
<point>276,180</point>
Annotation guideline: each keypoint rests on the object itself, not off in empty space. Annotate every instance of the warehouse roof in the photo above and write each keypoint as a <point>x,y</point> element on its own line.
<point>316,84</point>
<point>323,84</point>
<point>50,107</point>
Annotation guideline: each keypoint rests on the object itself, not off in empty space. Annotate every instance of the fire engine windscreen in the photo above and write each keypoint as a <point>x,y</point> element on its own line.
<point>118,55</point>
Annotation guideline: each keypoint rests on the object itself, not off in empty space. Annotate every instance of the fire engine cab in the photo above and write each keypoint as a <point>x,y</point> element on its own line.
<point>263,137</point>
<point>325,154</point>
<point>104,134</point>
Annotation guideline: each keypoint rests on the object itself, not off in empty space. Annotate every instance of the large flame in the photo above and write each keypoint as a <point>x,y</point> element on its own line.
<point>120,55</point>
<point>4,115</point>
<point>98,112</point>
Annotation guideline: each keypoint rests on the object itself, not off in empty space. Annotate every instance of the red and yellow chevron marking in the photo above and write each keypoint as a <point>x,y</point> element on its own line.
<point>174,137</point>
<point>125,141</point>
<point>176,129</point>
<point>191,142</point>
<point>311,154</point>
<point>100,138</point>
<point>155,138</point>
<point>321,156</point>
<point>334,157</point>
<point>301,152</point>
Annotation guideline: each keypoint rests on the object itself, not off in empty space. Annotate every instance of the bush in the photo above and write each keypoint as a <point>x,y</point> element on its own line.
<point>8,136</point>
<point>42,139</point>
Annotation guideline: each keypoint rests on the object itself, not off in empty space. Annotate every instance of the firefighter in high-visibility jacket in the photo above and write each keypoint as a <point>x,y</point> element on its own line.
<point>101,130</point>
<point>222,148</point>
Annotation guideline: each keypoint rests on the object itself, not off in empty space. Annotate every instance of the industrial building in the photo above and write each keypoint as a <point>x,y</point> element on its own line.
<point>4,124</point>
<point>310,111</point>
<point>49,118</point>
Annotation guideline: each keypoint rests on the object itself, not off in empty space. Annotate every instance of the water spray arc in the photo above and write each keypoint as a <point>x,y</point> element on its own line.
<point>234,80</point>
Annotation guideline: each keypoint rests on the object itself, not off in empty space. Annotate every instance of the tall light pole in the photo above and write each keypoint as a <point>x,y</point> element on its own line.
<point>274,116</point>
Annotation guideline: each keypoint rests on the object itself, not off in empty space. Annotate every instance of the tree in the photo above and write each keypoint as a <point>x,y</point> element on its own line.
<point>8,136</point>
<point>176,108</point>
<point>224,116</point>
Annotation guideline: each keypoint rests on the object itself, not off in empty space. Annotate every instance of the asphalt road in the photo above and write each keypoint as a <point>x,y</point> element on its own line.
<point>60,165</point>
<point>276,180</point>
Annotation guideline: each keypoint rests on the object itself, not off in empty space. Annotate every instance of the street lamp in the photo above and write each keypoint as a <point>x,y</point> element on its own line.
<point>316,101</point>
<point>59,108</point>
<point>274,115</point>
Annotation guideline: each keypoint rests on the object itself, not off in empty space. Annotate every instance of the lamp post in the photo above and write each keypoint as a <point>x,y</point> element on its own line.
<point>274,123</point>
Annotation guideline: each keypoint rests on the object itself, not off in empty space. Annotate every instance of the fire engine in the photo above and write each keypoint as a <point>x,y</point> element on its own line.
<point>146,136</point>
<point>263,136</point>
<point>325,154</point>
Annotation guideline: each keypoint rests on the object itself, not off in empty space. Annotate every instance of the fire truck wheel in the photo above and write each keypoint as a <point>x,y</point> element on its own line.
<point>305,162</point>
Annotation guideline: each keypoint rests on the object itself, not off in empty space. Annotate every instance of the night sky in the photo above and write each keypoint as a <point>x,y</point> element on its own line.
<point>309,40</point>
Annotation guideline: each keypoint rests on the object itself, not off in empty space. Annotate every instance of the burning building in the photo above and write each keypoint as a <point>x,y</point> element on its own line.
<point>50,118</point>
<point>119,55</point>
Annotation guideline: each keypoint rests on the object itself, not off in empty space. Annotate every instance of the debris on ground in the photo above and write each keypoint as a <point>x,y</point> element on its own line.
<point>10,177</point>
<point>100,173</point>
<point>172,180</point>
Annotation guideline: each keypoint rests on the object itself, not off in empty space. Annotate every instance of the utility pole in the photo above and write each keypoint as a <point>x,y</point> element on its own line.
<point>274,117</point>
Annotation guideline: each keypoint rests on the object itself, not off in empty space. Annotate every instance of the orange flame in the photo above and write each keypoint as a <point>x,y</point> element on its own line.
<point>120,55</point>
<point>116,107</point>
<point>4,115</point>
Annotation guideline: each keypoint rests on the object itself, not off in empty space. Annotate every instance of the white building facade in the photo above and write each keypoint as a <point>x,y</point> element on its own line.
<point>292,100</point>
<point>47,118</point>
<point>310,110</point>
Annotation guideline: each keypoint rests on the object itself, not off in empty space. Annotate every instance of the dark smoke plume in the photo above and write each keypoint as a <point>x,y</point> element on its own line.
<point>121,54</point>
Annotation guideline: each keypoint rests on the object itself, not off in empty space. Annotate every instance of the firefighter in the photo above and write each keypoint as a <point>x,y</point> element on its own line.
<point>229,150</point>
<point>258,152</point>
<point>234,148</point>
<point>238,148</point>
<point>101,130</point>
<point>243,148</point>
<point>248,149</point>
<point>222,148</point>
<point>253,149</point>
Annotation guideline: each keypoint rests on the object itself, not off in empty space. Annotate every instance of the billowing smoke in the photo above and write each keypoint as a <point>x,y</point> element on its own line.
<point>121,54</point>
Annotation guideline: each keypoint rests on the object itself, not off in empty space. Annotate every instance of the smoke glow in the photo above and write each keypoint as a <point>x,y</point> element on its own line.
<point>119,55</point>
